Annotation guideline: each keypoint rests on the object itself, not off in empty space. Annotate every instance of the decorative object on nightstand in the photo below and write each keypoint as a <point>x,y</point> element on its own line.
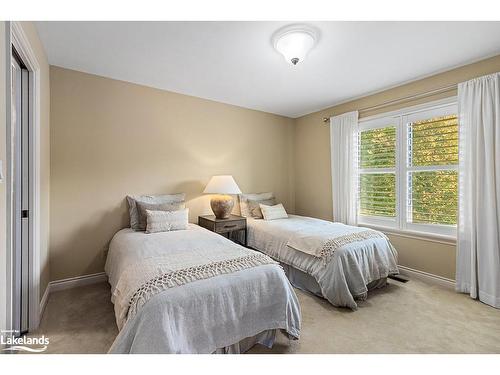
<point>224,226</point>
<point>222,204</point>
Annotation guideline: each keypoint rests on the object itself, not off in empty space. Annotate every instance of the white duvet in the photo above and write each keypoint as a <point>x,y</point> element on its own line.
<point>202,316</point>
<point>344,278</point>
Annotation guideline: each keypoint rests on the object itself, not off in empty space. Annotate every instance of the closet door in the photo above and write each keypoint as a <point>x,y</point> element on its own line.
<point>21,194</point>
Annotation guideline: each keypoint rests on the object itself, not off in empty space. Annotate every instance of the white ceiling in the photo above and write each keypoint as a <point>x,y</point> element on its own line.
<point>234,62</point>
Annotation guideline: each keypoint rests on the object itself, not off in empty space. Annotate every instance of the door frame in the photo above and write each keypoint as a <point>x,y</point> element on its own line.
<point>20,42</point>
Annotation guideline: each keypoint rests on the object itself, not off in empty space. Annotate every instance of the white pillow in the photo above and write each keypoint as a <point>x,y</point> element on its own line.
<point>166,221</point>
<point>169,206</point>
<point>273,212</point>
<point>244,209</point>
<point>132,204</point>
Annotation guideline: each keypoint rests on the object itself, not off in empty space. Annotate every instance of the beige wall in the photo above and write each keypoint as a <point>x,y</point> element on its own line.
<point>312,163</point>
<point>111,138</point>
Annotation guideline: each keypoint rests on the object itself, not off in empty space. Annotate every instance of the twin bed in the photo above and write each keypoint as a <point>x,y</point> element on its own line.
<point>193,291</point>
<point>335,261</point>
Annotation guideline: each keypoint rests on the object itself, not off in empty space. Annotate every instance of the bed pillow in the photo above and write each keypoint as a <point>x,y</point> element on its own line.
<point>244,211</point>
<point>133,199</point>
<point>273,212</point>
<point>166,221</point>
<point>254,206</point>
<point>143,206</point>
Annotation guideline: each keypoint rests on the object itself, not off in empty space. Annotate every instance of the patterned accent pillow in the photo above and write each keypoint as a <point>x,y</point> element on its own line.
<point>133,199</point>
<point>256,196</point>
<point>273,212</point>
<point>143,206</point>
<point>166,221</point>
<point>254,206</point>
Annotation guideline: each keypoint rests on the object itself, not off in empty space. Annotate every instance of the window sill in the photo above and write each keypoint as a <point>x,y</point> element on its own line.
<point>430,237</point>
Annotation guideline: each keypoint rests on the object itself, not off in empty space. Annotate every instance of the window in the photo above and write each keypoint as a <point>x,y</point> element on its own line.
<point>408,170</point>
<point>377,172</point>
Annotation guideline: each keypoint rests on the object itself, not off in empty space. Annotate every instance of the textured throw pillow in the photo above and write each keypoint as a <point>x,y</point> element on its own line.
<point>254,206</point>
<point>244,201</point>
<point>143,206</point>
<point>273,212</point>
<point>166,221</point>
<point>133,199</point>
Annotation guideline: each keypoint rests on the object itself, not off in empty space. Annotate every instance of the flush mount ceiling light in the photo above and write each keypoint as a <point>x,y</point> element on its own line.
<point>294,42</point>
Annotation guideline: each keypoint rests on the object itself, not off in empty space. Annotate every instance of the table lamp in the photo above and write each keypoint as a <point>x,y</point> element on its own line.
<point>222,204</point>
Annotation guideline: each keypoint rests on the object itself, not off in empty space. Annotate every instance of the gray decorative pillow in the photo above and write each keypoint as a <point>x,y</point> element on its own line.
<point>133,199</point>
<point>166,221</point>
<point>142,207</point>
<point>254,206</point>
<point>245,212</point>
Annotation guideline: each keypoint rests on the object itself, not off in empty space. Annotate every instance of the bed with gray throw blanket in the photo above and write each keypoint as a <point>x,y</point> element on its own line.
<point>335,261</point>
<point>194,291</point>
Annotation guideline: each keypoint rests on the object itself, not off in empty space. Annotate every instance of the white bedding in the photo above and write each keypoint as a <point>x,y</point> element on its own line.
<point>201,316</point>
<point>344,278</point>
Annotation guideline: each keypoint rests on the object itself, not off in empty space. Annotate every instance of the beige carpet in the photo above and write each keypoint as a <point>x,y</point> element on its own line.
<point>401,318</point>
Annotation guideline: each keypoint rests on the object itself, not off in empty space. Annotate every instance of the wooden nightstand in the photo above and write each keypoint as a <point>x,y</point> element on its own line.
<point>222,226</point>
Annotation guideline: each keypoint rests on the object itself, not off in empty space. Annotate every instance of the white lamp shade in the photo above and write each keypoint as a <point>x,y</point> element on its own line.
<point>222,185</point>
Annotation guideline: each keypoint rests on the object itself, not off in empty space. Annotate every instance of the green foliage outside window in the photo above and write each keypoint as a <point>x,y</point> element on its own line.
<point>434,142</point>
<point>434,197</point>
<point>433,194</point>
<point>378,194</point>
<point>378,148</point>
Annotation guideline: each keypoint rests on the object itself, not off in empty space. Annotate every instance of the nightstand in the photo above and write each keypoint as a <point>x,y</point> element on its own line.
<point>222,226</point>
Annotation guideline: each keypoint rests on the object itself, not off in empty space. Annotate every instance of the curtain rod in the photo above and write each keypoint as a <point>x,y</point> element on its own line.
<point>402,100</point>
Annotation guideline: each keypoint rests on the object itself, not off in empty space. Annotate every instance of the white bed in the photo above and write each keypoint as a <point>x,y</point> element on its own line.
<point>344,276</point>
<point>194,291</point>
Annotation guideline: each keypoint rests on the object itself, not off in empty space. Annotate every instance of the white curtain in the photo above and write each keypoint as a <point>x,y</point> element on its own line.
<point>478,251</point>
<point>343,148</point>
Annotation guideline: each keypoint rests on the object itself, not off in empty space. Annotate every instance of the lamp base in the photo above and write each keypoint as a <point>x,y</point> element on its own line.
<point>222,205</point>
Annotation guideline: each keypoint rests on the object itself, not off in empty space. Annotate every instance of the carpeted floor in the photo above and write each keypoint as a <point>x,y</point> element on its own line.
<point>401,318</point>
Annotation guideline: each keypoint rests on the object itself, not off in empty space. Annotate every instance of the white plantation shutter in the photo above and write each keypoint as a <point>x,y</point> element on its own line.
<point>377,194</point>
<point>377,171</point>
<point>433,170</point>
<point>408,170</point>
<point>377,148</point>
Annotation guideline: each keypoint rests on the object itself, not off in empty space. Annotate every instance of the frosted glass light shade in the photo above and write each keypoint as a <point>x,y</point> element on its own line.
<point>222,185</point>
<point>294,42</point>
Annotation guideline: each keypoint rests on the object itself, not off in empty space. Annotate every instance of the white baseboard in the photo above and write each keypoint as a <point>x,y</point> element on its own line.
<point>74,282</point>
<point>95,278</point>
<point>427,277</point>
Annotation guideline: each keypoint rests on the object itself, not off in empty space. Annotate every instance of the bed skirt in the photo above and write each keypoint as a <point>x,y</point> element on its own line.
<point>265,338</point>
<point>308,283</point>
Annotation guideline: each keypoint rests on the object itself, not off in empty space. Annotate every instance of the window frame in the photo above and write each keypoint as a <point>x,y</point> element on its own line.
<point>401,118</point>
<point>379,123</point>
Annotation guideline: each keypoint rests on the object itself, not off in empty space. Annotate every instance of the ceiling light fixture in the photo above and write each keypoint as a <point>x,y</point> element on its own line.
<point>294,42</point>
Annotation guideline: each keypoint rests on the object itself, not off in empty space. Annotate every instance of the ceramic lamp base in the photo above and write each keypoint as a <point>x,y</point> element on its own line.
<point>222,205</point>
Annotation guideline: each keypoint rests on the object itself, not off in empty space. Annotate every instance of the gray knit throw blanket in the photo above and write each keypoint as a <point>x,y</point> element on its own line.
<point>336,243</point>
<point>187,275</point>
